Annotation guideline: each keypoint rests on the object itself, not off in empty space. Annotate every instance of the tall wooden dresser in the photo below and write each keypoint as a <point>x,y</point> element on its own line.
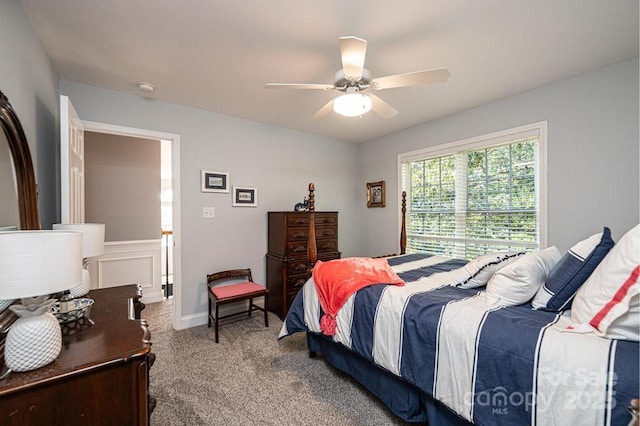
<point>287,260</point>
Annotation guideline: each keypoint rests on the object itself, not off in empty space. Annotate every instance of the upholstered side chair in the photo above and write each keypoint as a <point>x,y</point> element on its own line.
<point>246,289</point>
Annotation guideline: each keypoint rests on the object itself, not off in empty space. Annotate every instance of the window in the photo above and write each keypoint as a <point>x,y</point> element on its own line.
<point>477,196</point>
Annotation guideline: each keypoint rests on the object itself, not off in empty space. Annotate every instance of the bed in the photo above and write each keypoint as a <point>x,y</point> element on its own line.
<point>443,354</point>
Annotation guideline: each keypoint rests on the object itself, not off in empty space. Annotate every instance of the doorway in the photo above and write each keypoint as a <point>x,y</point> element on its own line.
<point>168,231</point>
<point>166,218</point>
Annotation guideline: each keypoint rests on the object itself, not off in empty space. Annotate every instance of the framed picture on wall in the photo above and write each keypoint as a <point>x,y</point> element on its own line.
<point>214,181</point>
<point>245,196</point>
<point>375,194</point>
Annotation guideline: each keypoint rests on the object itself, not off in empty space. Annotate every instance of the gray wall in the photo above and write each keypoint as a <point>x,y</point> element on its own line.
<point>593,153</point>
<point>279,162</point>
<point>592,175</point>
<point>29,81</point>
<point>122,171</point>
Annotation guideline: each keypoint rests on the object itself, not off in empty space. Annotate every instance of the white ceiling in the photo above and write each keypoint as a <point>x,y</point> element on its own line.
<point>218,54</point>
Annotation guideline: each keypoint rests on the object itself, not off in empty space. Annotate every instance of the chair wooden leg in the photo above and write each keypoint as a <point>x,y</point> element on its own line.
<point>216,321</point>
<point>266,317</point>
<point>209,314</point>
<point>250,306</point>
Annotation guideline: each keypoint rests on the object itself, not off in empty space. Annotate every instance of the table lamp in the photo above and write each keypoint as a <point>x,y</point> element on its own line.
<point>92,245</point>
<point>4,303</point>
<point>33,265</point>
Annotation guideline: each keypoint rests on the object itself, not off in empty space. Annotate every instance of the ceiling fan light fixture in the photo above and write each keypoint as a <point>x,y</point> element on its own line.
<point>352,104</point>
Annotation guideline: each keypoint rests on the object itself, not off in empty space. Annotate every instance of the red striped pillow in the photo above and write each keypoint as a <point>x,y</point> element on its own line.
<point>609,301</point>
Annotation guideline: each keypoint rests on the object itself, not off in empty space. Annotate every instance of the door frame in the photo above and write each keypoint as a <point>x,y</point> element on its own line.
<point>72,200</point>
<point>93,126</point>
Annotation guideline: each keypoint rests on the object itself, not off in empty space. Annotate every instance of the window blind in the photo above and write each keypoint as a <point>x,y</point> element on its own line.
<point>468,199</point>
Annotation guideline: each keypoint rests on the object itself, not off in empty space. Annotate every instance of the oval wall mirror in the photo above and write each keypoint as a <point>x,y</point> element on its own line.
<point>9,212</point>
<point>18,184</point>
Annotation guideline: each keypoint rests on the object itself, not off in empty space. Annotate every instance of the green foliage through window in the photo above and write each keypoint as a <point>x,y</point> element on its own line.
<point>468,203</point>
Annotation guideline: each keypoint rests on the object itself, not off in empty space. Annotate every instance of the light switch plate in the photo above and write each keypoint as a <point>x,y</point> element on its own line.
<point>208,213</point>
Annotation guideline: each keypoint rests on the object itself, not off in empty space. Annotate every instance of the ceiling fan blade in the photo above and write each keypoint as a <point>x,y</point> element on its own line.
<point>326,109</point>
<point>382,108</point>
<point>312,86</point>
<point>353,51</point>
<point>418,78</point>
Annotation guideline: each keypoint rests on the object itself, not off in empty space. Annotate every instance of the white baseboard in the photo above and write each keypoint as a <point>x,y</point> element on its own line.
<point>192,321</point>
<point>196,320</point>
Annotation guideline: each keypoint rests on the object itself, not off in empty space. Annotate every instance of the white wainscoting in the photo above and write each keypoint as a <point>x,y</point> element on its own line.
<point>130,262</point>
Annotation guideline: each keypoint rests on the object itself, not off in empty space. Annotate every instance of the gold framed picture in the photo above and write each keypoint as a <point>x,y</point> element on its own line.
<point>375,194</point>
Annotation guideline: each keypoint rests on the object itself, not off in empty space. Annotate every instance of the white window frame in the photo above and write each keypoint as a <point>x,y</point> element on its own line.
<point>495,138</point>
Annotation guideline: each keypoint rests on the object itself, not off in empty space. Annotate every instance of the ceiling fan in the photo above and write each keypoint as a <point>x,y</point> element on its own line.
<point>354,79</point>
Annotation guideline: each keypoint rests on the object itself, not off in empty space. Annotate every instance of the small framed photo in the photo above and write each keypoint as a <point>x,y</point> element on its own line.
<point>245,197</point>
<point>375,194</point>
<point>214,181</point>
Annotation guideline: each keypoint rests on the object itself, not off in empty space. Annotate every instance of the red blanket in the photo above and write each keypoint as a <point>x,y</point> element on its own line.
<point>337,280</point>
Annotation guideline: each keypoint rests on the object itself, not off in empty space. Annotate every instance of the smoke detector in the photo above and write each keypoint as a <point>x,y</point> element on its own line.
<point>146,87</point>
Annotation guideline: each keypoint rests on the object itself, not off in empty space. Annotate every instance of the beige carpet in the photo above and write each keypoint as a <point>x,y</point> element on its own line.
<point>249,378</point>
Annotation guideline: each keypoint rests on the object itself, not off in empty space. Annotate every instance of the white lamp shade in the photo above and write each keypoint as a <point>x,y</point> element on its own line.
<point>352,104</point>
<point>35,263</point>
<point>92,236</point>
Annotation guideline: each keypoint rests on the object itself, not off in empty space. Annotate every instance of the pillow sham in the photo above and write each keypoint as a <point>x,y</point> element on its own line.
<point>519,281</point>
<point>477,272</point>
<point>572,271</point>
<point>608,302</point>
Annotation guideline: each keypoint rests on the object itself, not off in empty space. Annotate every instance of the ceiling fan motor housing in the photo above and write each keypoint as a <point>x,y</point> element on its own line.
<point>341,81</point>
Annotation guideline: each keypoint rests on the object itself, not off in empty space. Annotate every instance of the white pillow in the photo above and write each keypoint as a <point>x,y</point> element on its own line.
<point>477,272</point>
<point>519,281</point>
<point>608,302</point>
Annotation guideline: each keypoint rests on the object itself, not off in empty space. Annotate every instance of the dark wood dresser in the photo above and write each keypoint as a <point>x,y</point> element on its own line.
<point>287,261</point>
<point>100,377</point>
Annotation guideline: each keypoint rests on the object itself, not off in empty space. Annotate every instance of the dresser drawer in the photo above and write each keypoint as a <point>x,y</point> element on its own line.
<point>327,245</point>
<point>297,234</point>
<point>300,266</point>
<point>302,234</point>
<point>296,267</point>
<point>294,284</point>
<point>320,219</point>
<point>299,248</point>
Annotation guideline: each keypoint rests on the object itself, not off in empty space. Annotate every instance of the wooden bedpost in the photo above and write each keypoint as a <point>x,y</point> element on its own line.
<point>312,251</point>
<point>403,228</point>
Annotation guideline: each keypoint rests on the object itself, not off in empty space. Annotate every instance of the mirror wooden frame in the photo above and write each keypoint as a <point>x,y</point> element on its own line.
<point>25,176</point>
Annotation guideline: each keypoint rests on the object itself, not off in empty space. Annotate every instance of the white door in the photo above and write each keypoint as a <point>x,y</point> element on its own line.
<point>71,164</point>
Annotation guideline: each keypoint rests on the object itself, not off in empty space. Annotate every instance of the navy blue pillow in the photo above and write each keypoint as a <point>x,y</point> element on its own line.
<point>571,272</point>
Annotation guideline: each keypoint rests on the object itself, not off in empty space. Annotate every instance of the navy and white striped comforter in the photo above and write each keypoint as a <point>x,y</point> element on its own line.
<point>490,365</point>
